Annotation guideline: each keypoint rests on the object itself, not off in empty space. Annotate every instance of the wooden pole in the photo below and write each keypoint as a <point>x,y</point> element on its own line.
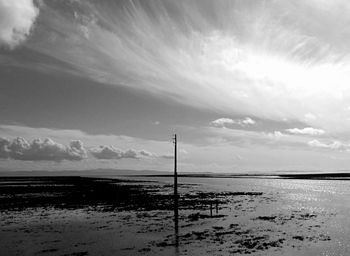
<point>176,205</point>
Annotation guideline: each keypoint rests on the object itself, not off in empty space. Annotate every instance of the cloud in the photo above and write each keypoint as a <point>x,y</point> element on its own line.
<point>96,142</point>
<point>4,148</point>
<point>221,122</point>
<point>309,117</point>
<point>17,18</point>
<point>165,156</point>
<point>246,121</point>
<point>38,150</point>
<point>334,145</point>
<point>287,62</point>
<point>306,131</point>
<point>257,148</point>
<point>110,152</point>
<point>248,138</point>
<point>146,153</point>
<point>107,152</point>
<point>131,153</point>
<point>275,135</point>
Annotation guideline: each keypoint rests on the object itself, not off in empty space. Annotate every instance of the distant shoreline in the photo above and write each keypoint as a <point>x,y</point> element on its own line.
<point>147,173</point>
<point>308,176</point>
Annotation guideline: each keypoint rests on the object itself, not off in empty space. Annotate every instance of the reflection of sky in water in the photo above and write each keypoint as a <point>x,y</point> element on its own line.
<point>323,193</point>
<point>321,196</point>
<point>314,187</point>
<point>306,193</point>
<point>328,199</point>
<point>318,208</point>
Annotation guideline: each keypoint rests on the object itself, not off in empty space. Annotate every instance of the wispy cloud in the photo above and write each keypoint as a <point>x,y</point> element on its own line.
<point>247,138</point>
<point>145,153</point>
<point>272,62</point>
<point>275,61</point>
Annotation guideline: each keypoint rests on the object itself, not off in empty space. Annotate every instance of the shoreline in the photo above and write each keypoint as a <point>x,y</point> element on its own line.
<point>115,173</point>
<point>306,176</point>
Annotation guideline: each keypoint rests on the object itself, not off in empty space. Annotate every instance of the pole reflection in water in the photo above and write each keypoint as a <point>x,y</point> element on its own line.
<point>176,205</point>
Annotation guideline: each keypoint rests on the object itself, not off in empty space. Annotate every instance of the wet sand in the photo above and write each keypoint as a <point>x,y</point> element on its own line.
<point>96,216</point>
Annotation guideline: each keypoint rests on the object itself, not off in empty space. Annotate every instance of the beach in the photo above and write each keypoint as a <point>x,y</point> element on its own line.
<point>134,216</point>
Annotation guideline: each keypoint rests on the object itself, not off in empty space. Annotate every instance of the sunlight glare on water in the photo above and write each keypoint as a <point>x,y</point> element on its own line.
<point>328,199</point>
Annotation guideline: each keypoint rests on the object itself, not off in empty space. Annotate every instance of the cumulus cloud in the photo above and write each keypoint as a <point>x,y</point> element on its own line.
<point>306,131</point>
<point>4,150</point>
<point>110,152</point>
<point>41,150</point>
<point>275,135</point>
<point>334,145</point>
<point>130,154</point>
<point>222,122</point>
<point>17,18</point>
<point>146,153</point>
<point>246,121</point>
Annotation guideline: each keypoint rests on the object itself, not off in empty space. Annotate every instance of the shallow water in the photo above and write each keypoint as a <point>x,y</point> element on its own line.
<point>330,198</point>
<point>291,217</point>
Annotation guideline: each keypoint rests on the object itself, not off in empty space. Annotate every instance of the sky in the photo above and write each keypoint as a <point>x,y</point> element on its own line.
<point>247,85</point>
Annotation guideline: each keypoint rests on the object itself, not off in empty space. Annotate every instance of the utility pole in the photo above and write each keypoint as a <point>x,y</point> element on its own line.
<point>176,206</point>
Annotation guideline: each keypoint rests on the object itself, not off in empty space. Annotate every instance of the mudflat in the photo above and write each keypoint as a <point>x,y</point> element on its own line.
<point>106,216</point>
